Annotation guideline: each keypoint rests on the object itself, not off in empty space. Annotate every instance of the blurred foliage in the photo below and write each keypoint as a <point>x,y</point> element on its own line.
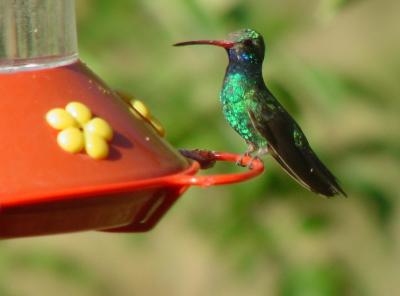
<point>335,65</point>
<point>314,281</point>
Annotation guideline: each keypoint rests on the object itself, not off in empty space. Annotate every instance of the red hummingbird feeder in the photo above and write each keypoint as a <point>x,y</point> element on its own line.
<point>56,174</point>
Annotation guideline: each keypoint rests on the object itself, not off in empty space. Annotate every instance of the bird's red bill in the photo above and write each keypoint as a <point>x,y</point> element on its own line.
<point>221,43</point>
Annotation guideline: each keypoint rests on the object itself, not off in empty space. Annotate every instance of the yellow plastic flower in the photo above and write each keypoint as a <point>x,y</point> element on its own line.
<point>79,130</point>
<point>138,106</point>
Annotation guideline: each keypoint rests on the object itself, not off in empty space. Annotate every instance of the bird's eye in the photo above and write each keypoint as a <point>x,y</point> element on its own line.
<point>248,42</point>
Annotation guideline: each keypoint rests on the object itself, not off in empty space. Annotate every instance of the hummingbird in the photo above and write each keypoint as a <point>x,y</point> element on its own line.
<point>258,117</point>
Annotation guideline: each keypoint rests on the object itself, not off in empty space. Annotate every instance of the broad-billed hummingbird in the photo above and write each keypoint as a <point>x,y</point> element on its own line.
<point>255,114</point>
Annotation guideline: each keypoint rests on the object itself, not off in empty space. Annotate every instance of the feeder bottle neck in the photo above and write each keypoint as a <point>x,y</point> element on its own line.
<point>36,34</point>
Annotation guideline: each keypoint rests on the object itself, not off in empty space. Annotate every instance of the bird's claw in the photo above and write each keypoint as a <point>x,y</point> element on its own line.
<point>239,162</point>
<point>250,164</point>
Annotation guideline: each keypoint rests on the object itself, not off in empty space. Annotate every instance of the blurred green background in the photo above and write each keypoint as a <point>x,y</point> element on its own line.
<point>335,65</point>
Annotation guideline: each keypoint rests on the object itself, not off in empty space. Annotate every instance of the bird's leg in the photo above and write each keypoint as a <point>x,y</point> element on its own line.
<point>250,149</point>
<point>260,152</point>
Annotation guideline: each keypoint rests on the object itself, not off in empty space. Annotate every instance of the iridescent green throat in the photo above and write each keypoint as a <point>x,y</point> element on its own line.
<point>239,95</point>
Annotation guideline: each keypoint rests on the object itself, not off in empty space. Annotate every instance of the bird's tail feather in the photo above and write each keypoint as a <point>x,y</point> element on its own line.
<point>315,176</point>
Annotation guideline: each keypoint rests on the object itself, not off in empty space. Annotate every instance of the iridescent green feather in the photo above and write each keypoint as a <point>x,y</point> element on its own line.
<point>237,98</point>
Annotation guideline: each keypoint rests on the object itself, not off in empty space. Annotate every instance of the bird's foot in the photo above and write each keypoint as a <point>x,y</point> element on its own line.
<point>257,156</point>
<point>239,162</point>
<point>250,149</point>
<point>250,164</point>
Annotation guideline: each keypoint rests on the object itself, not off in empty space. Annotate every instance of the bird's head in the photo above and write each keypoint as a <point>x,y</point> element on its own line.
<point>243,46</point>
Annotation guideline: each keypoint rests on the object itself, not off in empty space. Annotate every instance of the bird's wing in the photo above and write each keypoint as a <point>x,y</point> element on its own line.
<point>289,146</point>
